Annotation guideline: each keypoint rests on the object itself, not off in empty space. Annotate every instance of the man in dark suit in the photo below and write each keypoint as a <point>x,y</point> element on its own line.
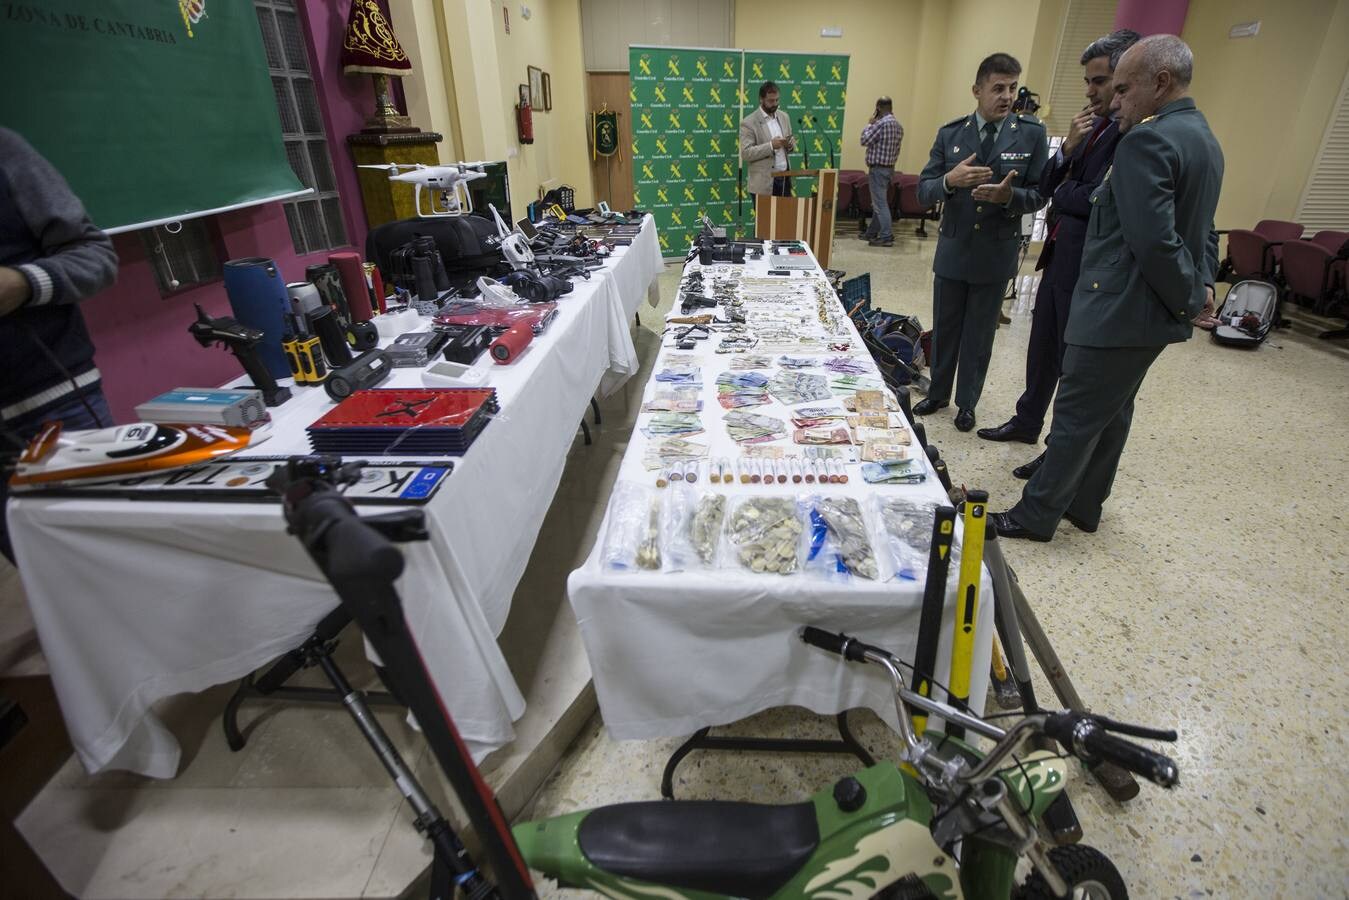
<point>1069,179</point>
<point>985,168</point>
<point>1144,268</point>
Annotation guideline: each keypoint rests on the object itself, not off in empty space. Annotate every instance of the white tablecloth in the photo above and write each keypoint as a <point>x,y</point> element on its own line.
<point>672,653</point>
<point>136,601</point>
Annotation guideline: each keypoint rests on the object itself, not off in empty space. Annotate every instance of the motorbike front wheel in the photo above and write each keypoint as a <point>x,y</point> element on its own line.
<point>1087,870</point>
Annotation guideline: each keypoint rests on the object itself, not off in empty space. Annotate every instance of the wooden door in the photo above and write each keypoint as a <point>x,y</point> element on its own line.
<point>612,176</point>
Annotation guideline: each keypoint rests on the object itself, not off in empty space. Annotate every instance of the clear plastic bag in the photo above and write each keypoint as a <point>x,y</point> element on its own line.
<point>634,528</point>
<point>838,545</point>
<point>705,527</point>
<point>763,534</point>
<point>677,551</point>
<point>904,527</point>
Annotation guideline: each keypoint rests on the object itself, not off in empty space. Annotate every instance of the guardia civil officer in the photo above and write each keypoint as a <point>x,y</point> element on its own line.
<point>985,167</point>
<point>1070,177</point>
<point>1143,278</point>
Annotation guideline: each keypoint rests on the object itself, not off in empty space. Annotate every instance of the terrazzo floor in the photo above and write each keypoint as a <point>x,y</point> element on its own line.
<point>1210,600</point>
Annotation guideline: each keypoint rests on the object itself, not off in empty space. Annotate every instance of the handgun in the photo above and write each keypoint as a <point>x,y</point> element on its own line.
<point>242,341</point>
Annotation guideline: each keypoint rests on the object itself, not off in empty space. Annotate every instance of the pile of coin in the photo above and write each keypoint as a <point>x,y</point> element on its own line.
<point>843,517</point>
<point>766,533</point>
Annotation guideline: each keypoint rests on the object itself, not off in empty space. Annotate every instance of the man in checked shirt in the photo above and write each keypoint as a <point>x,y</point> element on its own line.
<point>881,137</point>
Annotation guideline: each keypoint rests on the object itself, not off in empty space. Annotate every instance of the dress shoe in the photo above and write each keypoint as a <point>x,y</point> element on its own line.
<point>964,419</point>
<point>1008,431</point>
<point>1029,469</point>
<point>1080,524</point>
<point>881,242</point>
<point>1011,528</point>
<point>928,406</point>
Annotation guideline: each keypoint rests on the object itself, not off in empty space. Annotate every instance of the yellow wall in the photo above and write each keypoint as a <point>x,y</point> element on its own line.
<point>551,40</point>
<point>976,29</point>
<point>1267,98</point>
<point>1039,68</point>
<point>922,53</point>
<point>467,70</point>
<point>428,93</point>
<point>880,53</point>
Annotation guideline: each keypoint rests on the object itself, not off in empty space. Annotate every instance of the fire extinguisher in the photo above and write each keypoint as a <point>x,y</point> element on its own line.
<point>524,122</point>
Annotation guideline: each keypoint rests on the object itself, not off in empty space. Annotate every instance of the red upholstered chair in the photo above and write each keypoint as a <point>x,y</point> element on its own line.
<point>1257,252</point>
<point>906,204</point>
<point>1308,268</point>
<point>861,191</point>
<point>1337,305</point>
<point>852,185</point>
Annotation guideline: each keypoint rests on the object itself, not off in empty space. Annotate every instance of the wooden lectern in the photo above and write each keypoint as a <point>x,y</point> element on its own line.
<point>809,218</point>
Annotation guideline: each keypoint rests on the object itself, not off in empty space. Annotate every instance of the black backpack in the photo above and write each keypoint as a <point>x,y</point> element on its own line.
<point>466,243</point>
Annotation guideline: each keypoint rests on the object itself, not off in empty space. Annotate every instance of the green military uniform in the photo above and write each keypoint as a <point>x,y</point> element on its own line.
<point>1148,255</point>
<point>977,250</point>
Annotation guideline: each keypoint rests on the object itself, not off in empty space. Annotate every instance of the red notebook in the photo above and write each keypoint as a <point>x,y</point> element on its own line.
<point>409,407</point>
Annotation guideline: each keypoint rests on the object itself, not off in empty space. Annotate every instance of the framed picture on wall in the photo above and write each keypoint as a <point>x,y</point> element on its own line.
<point>524,94</point>
<point>535,87</point>
<point>547,91</point>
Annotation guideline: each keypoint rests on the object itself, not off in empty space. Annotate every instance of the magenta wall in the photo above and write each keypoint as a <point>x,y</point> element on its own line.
<point>142,340</point>
<point>1152,16</point>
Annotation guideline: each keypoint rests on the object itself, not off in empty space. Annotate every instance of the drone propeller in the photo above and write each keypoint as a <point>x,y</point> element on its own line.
<point>392,167</point>
<point>475,165</point>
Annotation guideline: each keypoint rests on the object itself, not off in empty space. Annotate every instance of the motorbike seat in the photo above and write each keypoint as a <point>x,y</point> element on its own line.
<point>741,849</point>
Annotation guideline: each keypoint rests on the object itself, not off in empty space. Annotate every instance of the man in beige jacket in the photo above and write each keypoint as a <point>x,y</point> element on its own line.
<point>765,140</point>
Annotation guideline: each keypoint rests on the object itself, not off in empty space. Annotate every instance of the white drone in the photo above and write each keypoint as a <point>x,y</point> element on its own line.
<point>447,184</point>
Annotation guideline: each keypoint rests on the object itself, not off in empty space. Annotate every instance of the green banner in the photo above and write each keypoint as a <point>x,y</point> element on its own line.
<point>684,124</point>
<point>686,110</point>
<point>810,85</point>
<point>150,110</point>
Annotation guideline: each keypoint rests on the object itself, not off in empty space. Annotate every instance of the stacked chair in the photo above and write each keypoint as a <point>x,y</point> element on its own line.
<point>852,192</point>
<point>1313,269</point>
<point>904,202</point>
<point>1314,272</point>
<point>1257,252</point>
<point>854,199</point>
<point>1310,271</point>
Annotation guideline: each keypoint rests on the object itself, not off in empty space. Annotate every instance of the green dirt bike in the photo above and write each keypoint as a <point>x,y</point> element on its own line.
<point>952,823</point>
<point>956,830</point>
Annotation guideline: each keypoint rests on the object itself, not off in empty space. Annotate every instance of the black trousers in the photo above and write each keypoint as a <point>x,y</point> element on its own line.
<point>782,187</point>
<point>1044,355</point>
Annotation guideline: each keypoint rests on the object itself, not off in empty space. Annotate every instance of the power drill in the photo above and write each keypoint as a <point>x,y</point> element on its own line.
<point>242,341</point>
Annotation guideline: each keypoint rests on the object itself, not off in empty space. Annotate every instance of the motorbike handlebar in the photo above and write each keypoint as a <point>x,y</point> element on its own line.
<point>850,648</point>
<point>1087,737</point>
